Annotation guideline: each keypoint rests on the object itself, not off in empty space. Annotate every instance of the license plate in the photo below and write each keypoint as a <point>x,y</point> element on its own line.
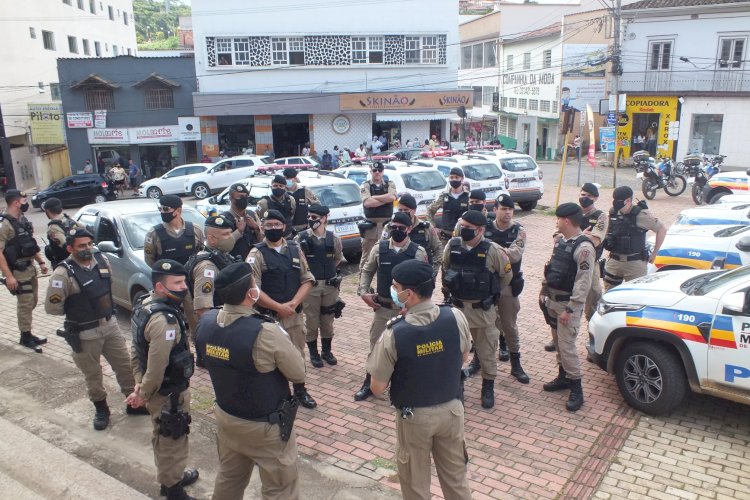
<point>639,175</point>
<point>523,184</point>
<point>691,180</point>
<point>346,228</point>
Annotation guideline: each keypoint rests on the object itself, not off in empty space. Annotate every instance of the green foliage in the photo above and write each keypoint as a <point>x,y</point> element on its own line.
<point>170,43</point>
<point>153,22</point>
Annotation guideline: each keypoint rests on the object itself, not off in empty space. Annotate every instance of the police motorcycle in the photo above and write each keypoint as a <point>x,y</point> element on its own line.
<point>700,170</point>
<point>657,176</point>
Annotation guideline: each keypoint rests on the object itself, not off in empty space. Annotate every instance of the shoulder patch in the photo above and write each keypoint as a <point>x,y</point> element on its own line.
<point>507,267</point>
<point>207,287</point>
<point>57,284</point>
<point>208,273</point>
<point>583,266</point>
<point>171,334</point>
<point>55,299</point>
<point>392,322</point>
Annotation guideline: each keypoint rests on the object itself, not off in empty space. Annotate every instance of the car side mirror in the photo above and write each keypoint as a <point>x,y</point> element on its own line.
<point>109,247</point>
<point>744,244</point>
<point>212,199</point>
<point>736,304</point>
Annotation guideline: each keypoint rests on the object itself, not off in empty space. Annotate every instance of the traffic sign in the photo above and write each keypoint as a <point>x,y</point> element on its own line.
<point>611,118</point>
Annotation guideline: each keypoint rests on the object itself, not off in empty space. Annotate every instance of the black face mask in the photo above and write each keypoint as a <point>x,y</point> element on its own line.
<point>398,235</point>
<point>87,254</point>
<point>176,297</point>
<point>585,202</point>
<point>618,205</point>
<point>24,207</point>
<point>314,224</point>
<point>274,235</point>
<point>455,184</point>
<point>240,203</point>
<point>468,234</point>
<point>167,217</point>
<point>278,192</point>
<point>478,207</point>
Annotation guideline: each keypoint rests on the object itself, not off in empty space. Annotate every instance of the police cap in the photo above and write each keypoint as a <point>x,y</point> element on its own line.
<point>412,272</point>
<point>167,267</point>
<point>13,195</point>
<point>220,222</point>
<point>622,193</point>
<point>504,200</point>
<point>170,201</point>
<point>408,201</point>
<point>318,209</point>
<point>568,210</point>
<point>477,194</point>
<point>77,232</point>
<point>591,189</point>
<point>475,217</point>
<point>290,173</point>
<point>456,171</point>
<point>275,215</point>
<point>232,274</point>
<point>402,218</point>
<point>53,204</point>
<point>238,187</point>
<point>278,179</point>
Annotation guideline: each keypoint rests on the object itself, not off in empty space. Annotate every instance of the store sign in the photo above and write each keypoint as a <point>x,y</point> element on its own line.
<point>607,139</point>
<point>150,135</point>
<point>108,136</point>
<point>47,123</point>
<point>647,115</point>
<point>541,85</point>
<point>80,120</point>
<point>407,100</point>
<point>100,118</point>
<point>341,124</point>
<point>577,94</point>
<point>190,128</point>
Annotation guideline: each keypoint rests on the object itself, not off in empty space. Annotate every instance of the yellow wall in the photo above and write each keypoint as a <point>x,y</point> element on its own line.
<point>665,106</point>
<point>53,166</point>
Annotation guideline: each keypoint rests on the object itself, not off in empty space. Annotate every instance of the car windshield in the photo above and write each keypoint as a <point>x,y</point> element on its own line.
<point>263,160</point>
<point>423,181</point>
<point>706,283</point>
<point>358,177</point>
<point>517,164</point>
<point>337,195</point>
<point>482,171</point>
<point>137,225</point>
<point>730,231</point>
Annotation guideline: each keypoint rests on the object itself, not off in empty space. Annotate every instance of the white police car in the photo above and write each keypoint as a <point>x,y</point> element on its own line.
<point>726,183</point>
<point>704,247</point>
<point>665,332</point>
<point>722,214</point>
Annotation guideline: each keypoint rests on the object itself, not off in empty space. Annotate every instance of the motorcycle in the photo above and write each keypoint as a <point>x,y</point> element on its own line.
<point>658,176</point>
<point>700,170</point>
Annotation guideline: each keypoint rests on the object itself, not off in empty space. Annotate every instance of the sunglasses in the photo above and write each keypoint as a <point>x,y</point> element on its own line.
<point>377,170</point>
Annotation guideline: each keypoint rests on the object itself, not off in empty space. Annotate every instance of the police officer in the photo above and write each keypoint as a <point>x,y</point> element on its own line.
<point>474,272</point>
<point>302,196</point>
<point>423,233</point>
<point>594,226</point>
<point>323,251</point>
<point>251,361</point>
<point>454,202</point>
<point>281,201</point>
<point>567,281</point>
<point>421,355</point>
<point>18,250</point>
<point>247,226</point>
<point>162,365</point>
<point>477,201</point>
<point>81,289</point>
<point>174,238</point>
<point>378,195</point>
<point>512,237</point>
<point>58,227</point>
<point>281,272</point>
<point>626,239</point>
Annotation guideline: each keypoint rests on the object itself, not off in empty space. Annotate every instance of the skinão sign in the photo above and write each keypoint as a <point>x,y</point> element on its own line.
<point>406,100</point>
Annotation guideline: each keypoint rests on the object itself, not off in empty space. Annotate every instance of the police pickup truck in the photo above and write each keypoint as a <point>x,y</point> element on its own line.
<point>669,331</point>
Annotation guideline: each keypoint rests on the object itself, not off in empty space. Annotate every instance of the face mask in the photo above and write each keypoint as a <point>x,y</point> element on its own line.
<point>314,224</point>
<point>24,207</point>
<point>398,235</point>
<point>225,245</point>
<point>455,184</point>
<point>618,205</point>
<point>87,254</point>
<point>274,235</point>
<point>167,217</point>
<point>478,207</point>
<point>585,202</point>
<point>278,192</point>
<point>240,203</point>
<point>176,296</point>
<point>394,297</point>
<point>289,183</point>
<point>468,234</point>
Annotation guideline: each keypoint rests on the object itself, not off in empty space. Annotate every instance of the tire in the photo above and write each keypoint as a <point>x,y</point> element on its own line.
<point>650,377</point>
<point>527,206</point>
<point>153,193</point>
<point>100,198</point>
<point>676,185</point>
<point>716,197</point>
<point>679,168</point>
<point>201,191</point>
<point>698,194</point>
<point>649,189</point>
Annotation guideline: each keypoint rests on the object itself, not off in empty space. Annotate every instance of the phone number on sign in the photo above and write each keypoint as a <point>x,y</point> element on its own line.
<point>527,91</point>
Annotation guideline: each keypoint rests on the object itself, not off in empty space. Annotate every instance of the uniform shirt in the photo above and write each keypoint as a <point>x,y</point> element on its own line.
<point>273,348</point>
<point>434,245</point>
<point>262,209</point>
<point>364,192</point>
<point>497,261</point>
<point>236,234</point>
<point>55,233</point>
<point>584,255</point>
<point>515,250</point>
<point>437,203</point>
<point>645,220</point>
<point>383,358</point>
<point>602,223</point>
<point>338,248</point>
<point>204,274</point>
<point>370,269</point>
<point>152,244</point>
<point>310,197</point>
<point>255,259</point>
<point>7,232</point>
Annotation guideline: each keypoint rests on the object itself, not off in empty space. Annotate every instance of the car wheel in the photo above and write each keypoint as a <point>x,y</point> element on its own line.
<point>715,198</point>
<point>650,377</point>
<point>353,258</point>
<point>201,191</point>
<point>527,206</point>
<point>100,198</point>
<point>153,192</point>
<point>136,295</point>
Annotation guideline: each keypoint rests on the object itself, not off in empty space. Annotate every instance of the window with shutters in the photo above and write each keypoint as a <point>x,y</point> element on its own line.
<point>547,59</point>
<point>48,39</point>
<point>533,105</point>
<point>279,53</point>
<point>412,50</point>
<point>660,56</point>
<point>522,103</point>
<point>731,52</point>
<point>429,50</point>
<point>544,106</point>
<point>513,102</point>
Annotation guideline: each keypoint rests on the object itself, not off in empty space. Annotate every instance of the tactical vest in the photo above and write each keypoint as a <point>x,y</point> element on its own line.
<point>180,248</point>
<point>419,235</point>
<point>383,211</point>
<point>589,222</point>
<point>387,260</point>
<point>55,252</point>
<point>94,301</point>
<point>181,362</point>
<point>285,207</point>
<point>468,277</point>
<point>282,277</point>
<point>300,212</point>
<point>428,365</point>
<point>246,242</point>
<point>239,388</point>
<point>453,209</point>
<point>22,246</point>
<point>219,259</point>
<point>560,272</point>
<point>505,239</point>
<point>320,255</point>
<point>623,236</point>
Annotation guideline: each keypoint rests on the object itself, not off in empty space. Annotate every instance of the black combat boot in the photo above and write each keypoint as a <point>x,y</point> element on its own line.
<point>575,400</point>
<point>474,366</point>
<point>516,369</point>
<point>314,356</point>
<point>27,340</point>
<point>188,477</point>
<point>177,492</point>
<point>326,353</point>
<point>101,417</point>
<point>559,383</point>
<point>304,398</point>
<point>38,340</point>
<point>503,354</point>
<point>364,392</point>
<point>488,393</point>
<point>550,347</point>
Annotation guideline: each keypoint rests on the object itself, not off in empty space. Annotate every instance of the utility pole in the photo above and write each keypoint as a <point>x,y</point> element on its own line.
<point>7,159</point>
<point>616,70</point>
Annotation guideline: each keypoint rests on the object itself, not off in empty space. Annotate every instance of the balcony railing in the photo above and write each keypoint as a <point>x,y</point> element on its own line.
<point>686,81</point>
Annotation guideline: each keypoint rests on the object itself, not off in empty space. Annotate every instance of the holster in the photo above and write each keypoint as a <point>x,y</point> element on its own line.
<point>365,226</point>
<point>602,263</point>
<point>71,336</point>
<point>335,281</point>
<point>547,316</point>
<point>174,423</point>
<point>489,302</point>
<point>287,412</point>
<point>516,284</point>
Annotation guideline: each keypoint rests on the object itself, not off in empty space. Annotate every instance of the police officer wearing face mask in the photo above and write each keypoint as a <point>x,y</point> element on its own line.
<point>454,202</point>
<point>475,270</point>
<point>594,225</point>
<point>324,254</point>
<point>302,196</point>
<point>174,238</point>
<point>281,272</point>
<point>423,233</point>
<point>280,201</point>
<point>378,195</point>
<point>58,227</point>
<point>247,226</point>
<point>18,251</point>
<point>477,200</point>
<point>381,261</point>
<point>80,288</point>
<point>162,365</point>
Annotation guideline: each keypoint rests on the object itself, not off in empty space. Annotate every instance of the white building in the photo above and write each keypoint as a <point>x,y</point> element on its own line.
<point>34,34</point>
<point>277,74</point>
<point>687,62</point>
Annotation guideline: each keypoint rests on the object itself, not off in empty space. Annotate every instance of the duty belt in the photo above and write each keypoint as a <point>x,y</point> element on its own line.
<point>627,258</point>
<point>386,303</point>
<point>559,298</point>
<point>271,312</point>
<point>271,418</point>
<point>461,304</point>
<point>88,325</point>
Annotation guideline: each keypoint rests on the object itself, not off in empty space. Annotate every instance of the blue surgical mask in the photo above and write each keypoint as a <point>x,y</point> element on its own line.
<point>289,183</point>
<point>394,297</point>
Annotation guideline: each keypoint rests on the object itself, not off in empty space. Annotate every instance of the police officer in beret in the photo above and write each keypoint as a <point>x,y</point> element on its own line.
<point>324,254</point>
<point>246,224</point>
<point>303,196</point>
<point>80,288</point>
<point>18,251</point>
<point>378,194</point>
<point>567,281</point>
<point>423,233</point>
<point>281,201</point>
<point>175,238</point>
<point>454,201</point>
<point>594,224</point>
<point>475,271</point>
<point>162,365</point>
<point>58,227</point>
<point>281,272</point>
<point>251,361</point>
<point>420,354</point>
<point>477,202</point>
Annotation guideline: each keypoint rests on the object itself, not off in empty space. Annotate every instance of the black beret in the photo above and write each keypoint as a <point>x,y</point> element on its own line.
<point>167,267</point>
<point>14,194</point>
<point>475,217</point>
<point>318,209</point>
<point>274,215</point>
<point>456,171</point>
<point>504,200</point>
<point>591,189</point>
<point>568,209</point>
<point>77,232</point>
<point>52,204</point>
<point>238,187</point>
<point>412,272</point>
<point>408,201</point>
<point>622,193</point>
<point>402,218</point>
<point>278,179</point>
<point>220,222</point>
<point>171,201</point>
<point>377,166</point>
<point>477,194</point>
<point>290,173</point>
<point>231,274</point>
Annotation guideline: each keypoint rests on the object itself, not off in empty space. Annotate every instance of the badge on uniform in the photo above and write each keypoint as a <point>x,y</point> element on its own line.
<point>208,273</point>
<point>57,284</point>
<point>171,334</point>
<point>55,299</point>
<point>583,266</point>
<point>507,267</point>
<point>207,287</point>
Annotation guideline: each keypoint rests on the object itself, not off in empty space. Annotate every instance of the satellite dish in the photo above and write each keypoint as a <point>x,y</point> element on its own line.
<point>631,36</point>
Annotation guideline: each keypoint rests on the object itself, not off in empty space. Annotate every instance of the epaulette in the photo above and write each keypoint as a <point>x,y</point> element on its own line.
<point>393,321</point>
<point>264,317</point>
<point>171,318</point>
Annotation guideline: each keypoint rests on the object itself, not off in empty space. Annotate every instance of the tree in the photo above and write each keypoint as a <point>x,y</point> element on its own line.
<point>151,17</point>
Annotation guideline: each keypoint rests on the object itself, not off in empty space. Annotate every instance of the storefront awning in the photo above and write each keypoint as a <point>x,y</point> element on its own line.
<point>413,117</point>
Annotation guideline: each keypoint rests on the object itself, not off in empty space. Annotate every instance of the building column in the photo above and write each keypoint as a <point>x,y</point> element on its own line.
<point>209,136</point>
<point>263,133</point>
<point>311,130</point>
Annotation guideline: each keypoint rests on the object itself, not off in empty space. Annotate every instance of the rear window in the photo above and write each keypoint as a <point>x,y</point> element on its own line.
<point>518,164</point>
<point>358,177</point>
<point>482,172</point>
<point>423,181</point>
<point>337,196</point>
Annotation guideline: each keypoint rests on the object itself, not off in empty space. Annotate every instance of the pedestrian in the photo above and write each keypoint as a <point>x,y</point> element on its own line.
<point>567,281</point>
<point>423,233</point>
<point>246,231</point>
<point>58,228</point>
<point>306,149</point>
<point>326,160</point>
<point>281,201</point>
<point>88,168</point>
<point>576,146</point>
<point>269,153</point>
<point>251,361</point>
<point>650,145</point>
<point>433,143</point>
<point>383,142</point>
<point>81,290</point>
<point>408,143</point>
<point>117,174</point>
<point>163,366</point>
<point>375,145</point>
<point>380,262</point>
<point>420,354</point>
<point>18,251</point>
<point>378,195</point>
<point>133,173</point>
<point>205,159</point>
<point>281,272</point>
<point>324,254</point>
<point>303,198</point>
<point>335,158</point>
<point>454,201</point>
<point>360,152</point>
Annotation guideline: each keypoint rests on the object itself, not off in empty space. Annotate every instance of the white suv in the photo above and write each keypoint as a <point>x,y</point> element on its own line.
<point>526,186</point>
<point>223,174</point>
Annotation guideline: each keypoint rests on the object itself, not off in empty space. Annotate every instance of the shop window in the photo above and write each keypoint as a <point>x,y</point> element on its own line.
<point>487,95</point>
<point>509,62</point>
<point>660,55</point>
<point>297,50</point>
<point>99,98</point>
<point>527,60</point>
<point>731,53</point>
<point>533,105</point>
<point>241,51</point>
<point>429,49</point>
<point>86,47</point>
<point>477,55</point>
<point>412,50</point>
<point>466,57</point>
<point>705,136</point>
<point>513,102</point>
<point>547,59</point>
<point>279,53</point>
<point>490,54</point>
<point>376,48</point>
<point>48,39</point>
<point>224,51</point>
<point>159,98</point>
<point>73,45</point>
<point>477,96</point>
<point>544,106</point>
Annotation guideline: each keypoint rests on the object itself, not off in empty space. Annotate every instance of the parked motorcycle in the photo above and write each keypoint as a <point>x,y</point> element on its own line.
<point>658,176</point>
<point>700,170</point>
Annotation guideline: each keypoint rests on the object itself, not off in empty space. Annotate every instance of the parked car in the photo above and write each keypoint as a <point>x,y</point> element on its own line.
<point>403,154</point>
<point>77,190</point>
<point>424,183</point>
<point>721,214</point>
<point>664,334</point>
<point>298,162</point>
<point>526,186</point>
<point>222,174</point>
<point>119,230</point>
<point>173,182</point>
<point>704,247</point>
